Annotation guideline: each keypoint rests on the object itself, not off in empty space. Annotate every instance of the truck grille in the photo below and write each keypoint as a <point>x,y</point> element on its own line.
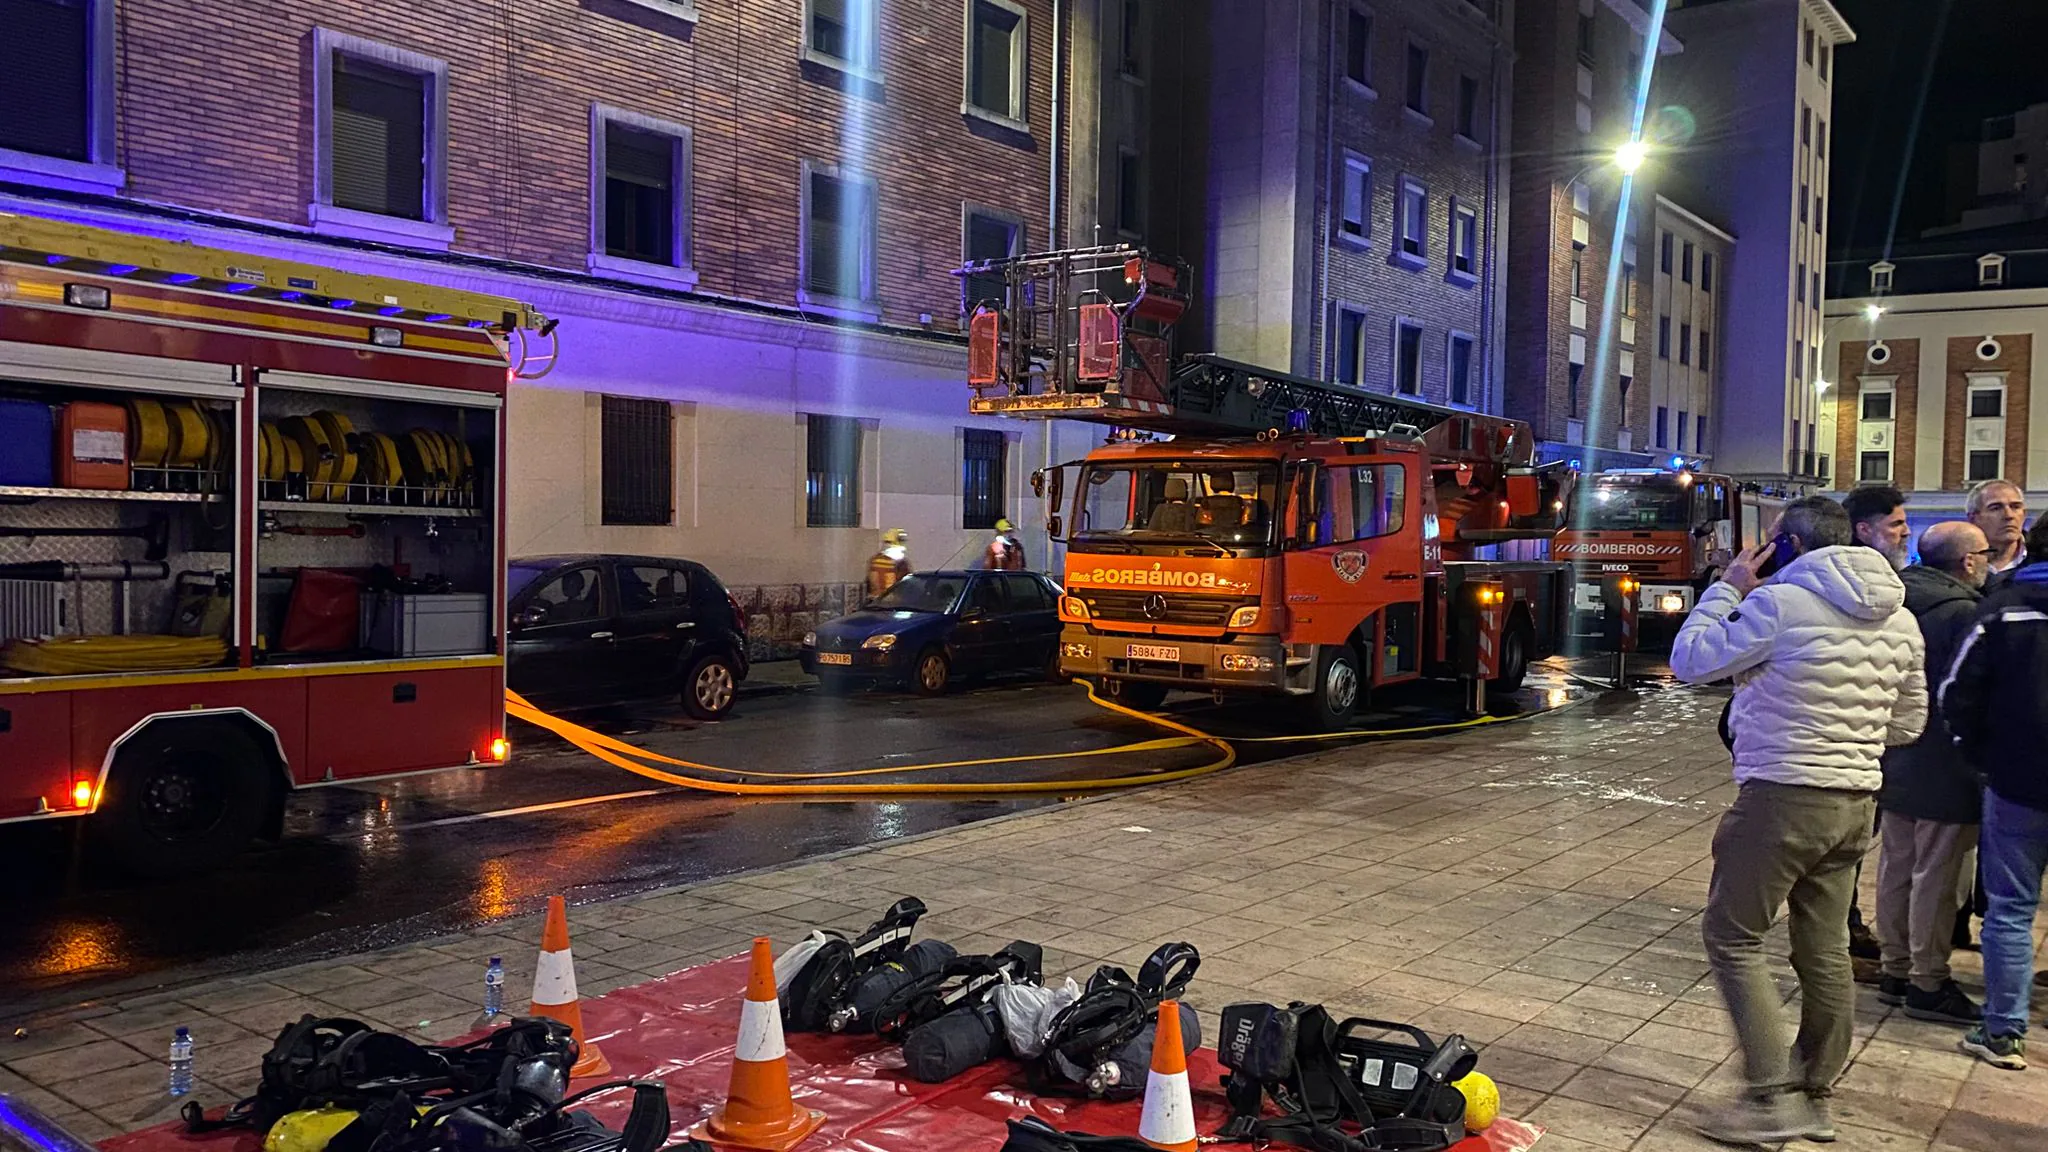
<point>1201,611</point>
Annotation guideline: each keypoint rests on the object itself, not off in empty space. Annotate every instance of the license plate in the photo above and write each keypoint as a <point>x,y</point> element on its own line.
<point>835,657</point>
<point>1154,652</point>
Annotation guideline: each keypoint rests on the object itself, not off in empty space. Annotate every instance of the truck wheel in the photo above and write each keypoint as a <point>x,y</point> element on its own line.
<point>1338,688</point>
<point>932,674</point>
<point>182,798</point>
<point>1053,675</point>
<point>1515,646</point>
<point>1144,695</point>
<point>710,687</point>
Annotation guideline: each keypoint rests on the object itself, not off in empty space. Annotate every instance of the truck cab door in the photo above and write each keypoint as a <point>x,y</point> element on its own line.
<point>1358,549</point>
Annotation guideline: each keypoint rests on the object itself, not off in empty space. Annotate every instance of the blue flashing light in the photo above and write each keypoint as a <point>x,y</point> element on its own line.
<point>54,258</point>
<point>479,323</point>
<point>180,278</point>
<point>1297,420</point>
<point>291,297</point>
<point>1577,464</point>
<point>1677,462</point>
<point>120,269</point>
<point>241,287</point>
<point>341,303</point>
<point>437,317</point>
<point>390,310</point>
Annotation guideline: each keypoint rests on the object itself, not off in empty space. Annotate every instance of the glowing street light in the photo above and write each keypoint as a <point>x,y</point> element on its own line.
<point>1872,311</point>
<point>1630,156</point>
<point>1820,385</point>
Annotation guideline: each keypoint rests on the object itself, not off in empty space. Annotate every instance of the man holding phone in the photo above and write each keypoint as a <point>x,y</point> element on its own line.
<point>1828,667</point>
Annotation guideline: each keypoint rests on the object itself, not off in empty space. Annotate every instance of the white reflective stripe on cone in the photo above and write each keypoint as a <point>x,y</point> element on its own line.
<point>1169,1111</point>
<point>554,979</point>
<point>760,1032</point>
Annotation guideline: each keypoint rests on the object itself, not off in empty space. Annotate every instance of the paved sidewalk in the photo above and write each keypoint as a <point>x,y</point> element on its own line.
<point>1536,887</point>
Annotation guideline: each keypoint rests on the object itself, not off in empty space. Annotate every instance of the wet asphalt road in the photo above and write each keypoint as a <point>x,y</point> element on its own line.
<point>394,861</point>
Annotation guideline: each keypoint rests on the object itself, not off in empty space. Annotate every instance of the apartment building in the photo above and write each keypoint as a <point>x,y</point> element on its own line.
<point>1938,359</point>
<point>746,218</point>
<point>1336,173</point>
<point>1579,365</point>
<point>1757,78</point>
<point>2002,178</point>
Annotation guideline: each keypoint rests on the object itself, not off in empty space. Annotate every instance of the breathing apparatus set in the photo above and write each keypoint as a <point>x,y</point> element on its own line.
<point>338,1085</point>
<point>1101,1043</point>
<point>1338,1088</point>
<point>829,983</point>
<point>947,1020</point>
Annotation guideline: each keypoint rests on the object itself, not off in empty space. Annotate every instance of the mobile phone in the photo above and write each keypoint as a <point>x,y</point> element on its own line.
<point>1781,555</point>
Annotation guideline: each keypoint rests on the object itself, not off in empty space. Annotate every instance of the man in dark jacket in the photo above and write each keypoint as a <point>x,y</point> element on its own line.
<point>1992,699</point>
<point>1931,801</point>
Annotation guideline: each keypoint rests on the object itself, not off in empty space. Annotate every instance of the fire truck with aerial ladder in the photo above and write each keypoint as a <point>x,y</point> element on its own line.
<point>1245,531</point>
<point>252,538</point>
<point>1673,528</point>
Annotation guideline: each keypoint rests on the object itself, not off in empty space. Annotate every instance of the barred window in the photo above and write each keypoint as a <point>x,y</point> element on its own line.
<point>638,447</point>
<point>46,99</point>
<point>982,456</point>
<point>832,472</point>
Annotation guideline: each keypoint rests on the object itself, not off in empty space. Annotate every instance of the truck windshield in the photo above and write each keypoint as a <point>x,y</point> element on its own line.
<point>1223,502</point>
<point>1639,509</point>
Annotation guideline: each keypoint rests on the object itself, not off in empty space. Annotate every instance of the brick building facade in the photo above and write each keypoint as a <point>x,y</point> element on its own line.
<point>1342,188</point>
<point>1939,358</point>
<point>747,212</point>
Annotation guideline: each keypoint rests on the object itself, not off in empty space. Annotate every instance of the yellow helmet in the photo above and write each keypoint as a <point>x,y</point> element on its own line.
<point>1005,526</point>
<point>895,536</point>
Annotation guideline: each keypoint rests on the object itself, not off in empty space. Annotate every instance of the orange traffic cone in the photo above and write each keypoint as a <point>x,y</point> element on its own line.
<point>554,988</point>
<point>758,1112</point>
<point>1169,1118</point>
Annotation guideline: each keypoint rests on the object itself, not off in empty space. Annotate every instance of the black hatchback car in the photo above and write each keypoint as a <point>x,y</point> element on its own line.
<point>600,629</point>
<point>932,627</point>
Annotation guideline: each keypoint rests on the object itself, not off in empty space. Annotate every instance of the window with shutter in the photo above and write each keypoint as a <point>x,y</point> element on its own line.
<point>982,453</point>
<point>839,238</point>
<point>377,150</point>
<point>45,78</point>
<point>832,472</point>
<point>637,445</point>
<point>989,237</point>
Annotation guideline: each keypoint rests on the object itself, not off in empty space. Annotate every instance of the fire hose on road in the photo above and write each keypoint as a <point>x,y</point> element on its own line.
<point>850,782</point>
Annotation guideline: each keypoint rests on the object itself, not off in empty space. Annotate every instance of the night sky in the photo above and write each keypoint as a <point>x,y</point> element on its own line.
<point>1988,62</point>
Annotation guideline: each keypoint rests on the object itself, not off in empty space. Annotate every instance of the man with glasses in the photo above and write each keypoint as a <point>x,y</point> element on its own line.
<point>1930,799</point>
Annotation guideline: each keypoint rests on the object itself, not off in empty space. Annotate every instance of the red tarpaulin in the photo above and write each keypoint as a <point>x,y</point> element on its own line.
<point>681,1028</point>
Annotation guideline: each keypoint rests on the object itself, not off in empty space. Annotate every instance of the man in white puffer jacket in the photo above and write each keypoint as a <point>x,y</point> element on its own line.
<point>1828,666</point>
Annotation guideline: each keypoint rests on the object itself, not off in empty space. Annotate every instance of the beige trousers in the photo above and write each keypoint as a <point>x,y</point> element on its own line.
<point>1919,869</point>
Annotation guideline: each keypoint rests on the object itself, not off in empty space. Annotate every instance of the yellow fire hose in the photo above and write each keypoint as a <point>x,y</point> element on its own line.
<point>629,757</point>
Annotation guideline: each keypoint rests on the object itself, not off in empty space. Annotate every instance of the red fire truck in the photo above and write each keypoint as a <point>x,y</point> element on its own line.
<point>251,534</point>
<point>1250,532</point>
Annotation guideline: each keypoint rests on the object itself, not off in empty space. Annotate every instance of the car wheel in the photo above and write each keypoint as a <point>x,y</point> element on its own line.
<point>1334,702</point>
<point>1052,669</point>
<point>710,687</point>
<point>932,673</point>
<point>1144,695</point>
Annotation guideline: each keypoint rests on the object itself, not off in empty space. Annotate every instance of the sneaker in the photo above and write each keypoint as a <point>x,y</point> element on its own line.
<point>1757,1120</point>
<point>1892,990</point>
<point>1949,1005</point>
<point>1999,1051</point>
<point>1817,1118</point>
<point>1862,945</point>
<point>1865,970</point>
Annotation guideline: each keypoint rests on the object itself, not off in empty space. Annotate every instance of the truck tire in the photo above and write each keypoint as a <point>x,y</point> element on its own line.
<point>1339,686</point>
<point>710,687</point>
<point>1516,645</point>
<point>182,798</point>
<point>1144,695</point>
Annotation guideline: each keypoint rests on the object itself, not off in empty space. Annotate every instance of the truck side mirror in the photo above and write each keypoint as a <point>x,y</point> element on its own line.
<point>532,615</point>
<point>1038,482</point>
<point>1053,527</point>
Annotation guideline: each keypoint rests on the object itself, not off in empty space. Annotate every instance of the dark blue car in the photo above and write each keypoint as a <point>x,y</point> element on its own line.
<point>934,627</point>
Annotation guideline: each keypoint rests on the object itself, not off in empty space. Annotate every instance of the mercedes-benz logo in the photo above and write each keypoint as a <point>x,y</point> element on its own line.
<point>1155,607</point>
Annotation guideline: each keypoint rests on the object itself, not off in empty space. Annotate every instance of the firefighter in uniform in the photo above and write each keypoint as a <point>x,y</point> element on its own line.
<point>891,564</point>
<point>1005,553</point>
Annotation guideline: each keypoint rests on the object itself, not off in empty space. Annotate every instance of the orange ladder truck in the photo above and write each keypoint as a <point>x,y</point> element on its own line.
<point>1249,532</point>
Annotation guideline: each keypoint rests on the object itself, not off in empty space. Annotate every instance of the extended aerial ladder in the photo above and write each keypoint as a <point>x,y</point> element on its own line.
<point>1086,334</point>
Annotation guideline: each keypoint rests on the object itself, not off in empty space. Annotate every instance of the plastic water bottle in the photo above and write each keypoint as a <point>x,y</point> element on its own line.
<point>494,996</point>
<point>181,1063</point>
